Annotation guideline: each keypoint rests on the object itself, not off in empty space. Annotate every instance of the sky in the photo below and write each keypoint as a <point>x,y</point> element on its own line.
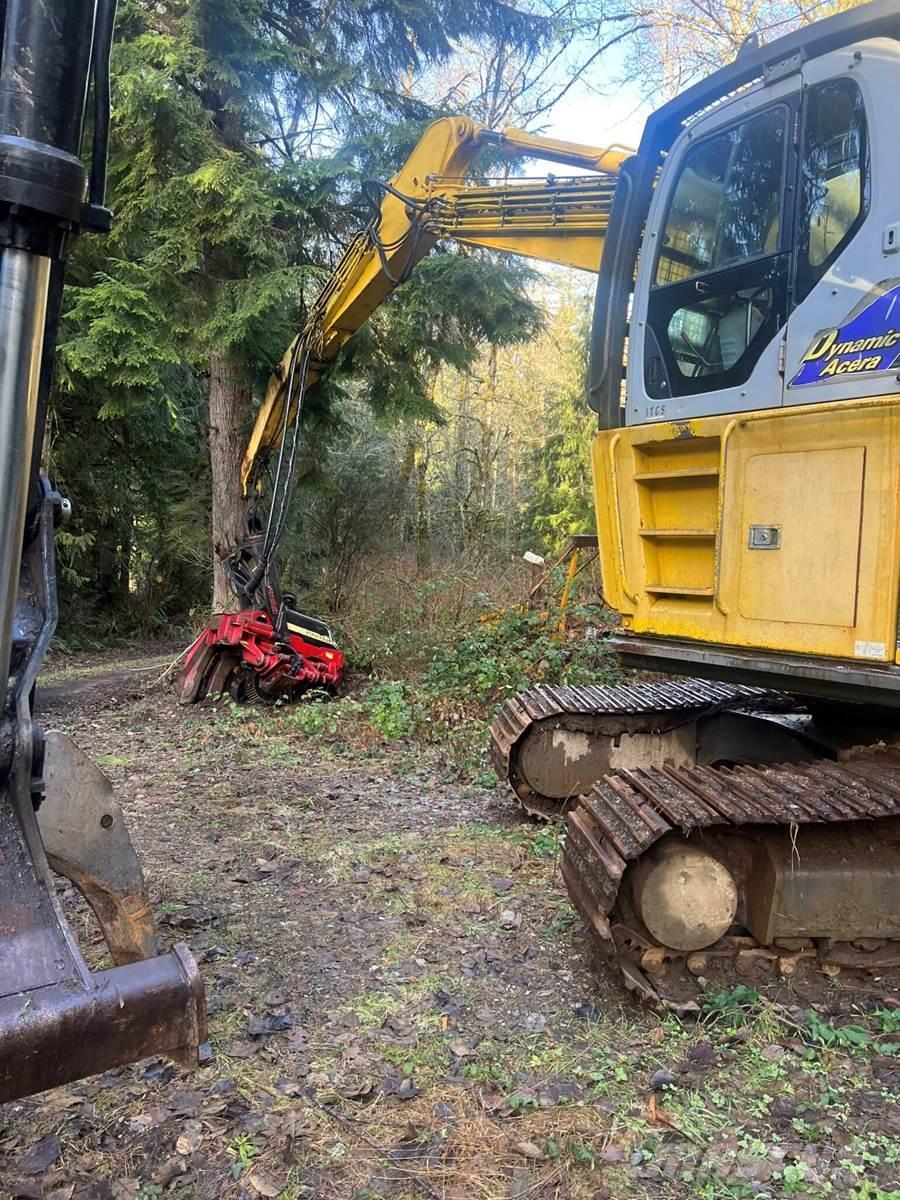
<point>599,120</point>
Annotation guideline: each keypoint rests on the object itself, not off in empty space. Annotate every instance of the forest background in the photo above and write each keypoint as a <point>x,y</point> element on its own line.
<point>452,434</point>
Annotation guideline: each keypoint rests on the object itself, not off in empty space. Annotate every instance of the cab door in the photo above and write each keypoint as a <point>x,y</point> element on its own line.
<point>713,289</point>
<point>843,333</point>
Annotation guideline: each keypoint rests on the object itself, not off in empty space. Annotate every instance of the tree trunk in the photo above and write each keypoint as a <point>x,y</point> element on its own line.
<point>229,405</point>
<point>423,517</point>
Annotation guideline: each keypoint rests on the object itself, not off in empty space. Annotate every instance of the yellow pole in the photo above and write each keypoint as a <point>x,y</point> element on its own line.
<point>567,587</point>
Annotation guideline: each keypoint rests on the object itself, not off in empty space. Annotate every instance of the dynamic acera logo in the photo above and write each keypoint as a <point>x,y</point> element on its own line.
<point>869,341</point>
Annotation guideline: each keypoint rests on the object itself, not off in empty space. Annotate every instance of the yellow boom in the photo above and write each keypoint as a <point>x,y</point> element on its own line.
<point>554,220</point>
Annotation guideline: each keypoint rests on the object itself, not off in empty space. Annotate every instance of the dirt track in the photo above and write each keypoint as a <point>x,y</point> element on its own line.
<point>402,1002</point>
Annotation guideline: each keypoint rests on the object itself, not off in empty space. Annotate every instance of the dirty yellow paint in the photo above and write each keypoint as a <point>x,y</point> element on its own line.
<point>676,503</point>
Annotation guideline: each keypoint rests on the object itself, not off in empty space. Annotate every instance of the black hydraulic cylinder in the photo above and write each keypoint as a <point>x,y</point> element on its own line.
<point>46,59</point>
<point>50,49</point>
<point>44,76</point>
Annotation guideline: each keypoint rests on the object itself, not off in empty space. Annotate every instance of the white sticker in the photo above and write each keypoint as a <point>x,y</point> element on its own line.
<point>870,650</point>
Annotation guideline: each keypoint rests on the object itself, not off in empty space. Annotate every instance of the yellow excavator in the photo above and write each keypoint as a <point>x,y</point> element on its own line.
<point>746,486</point>
<point>737,813</point>
<point>741,817</point>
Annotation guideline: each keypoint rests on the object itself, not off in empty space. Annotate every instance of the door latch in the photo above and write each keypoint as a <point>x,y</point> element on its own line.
<point>764,537</point>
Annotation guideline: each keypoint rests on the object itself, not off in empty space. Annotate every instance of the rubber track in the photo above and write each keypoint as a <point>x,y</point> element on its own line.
<point>621,817</point>
<point>693,697</point>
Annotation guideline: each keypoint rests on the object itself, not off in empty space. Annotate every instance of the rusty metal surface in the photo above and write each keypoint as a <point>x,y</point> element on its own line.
<point>802,674</point>
<point>632,708</point>
<point>58,1021</point>
<point>625,813</point>
<point>200,660</point>
<point>86,840</point>
<point>60,1032</point>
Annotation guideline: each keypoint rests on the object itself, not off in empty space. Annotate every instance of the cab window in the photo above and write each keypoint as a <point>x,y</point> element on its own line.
<point>727,202</point>
<point>720,281</point>
<point>834,177</point>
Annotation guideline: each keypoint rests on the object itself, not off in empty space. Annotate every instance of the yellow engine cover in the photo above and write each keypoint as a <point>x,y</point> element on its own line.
<point>776,529</point>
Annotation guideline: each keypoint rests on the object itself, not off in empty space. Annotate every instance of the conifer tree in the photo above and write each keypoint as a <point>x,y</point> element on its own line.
<point>222,227</point>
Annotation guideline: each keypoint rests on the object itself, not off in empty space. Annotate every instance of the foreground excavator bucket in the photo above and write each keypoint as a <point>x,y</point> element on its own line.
<point>60,1021</point>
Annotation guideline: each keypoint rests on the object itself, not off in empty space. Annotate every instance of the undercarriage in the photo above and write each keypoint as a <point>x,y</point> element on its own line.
<point>716,832</point>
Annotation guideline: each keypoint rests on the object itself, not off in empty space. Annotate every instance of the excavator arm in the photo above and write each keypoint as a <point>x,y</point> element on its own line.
<point>554,220</point>
<point>267,650</point>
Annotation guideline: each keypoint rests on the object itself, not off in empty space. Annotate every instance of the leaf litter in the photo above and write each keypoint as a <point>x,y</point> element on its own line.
<point>401,1004</point>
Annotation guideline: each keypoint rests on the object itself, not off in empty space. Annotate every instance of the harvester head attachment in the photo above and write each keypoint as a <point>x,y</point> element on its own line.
<point>251,656</point>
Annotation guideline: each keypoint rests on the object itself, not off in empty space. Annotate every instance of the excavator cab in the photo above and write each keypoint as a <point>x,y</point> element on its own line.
<point>59,1020</point>
<point>746,481</point>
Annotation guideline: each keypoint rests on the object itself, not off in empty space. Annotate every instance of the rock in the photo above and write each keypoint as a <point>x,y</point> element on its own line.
<point>587,1012</point>
<point>612,1154</point>
<point>702,1054</point>
<point>660,1079</point>
<point>756,1169</point>
<point>535,1022</point>
<point>26,1191</point>
<point>781,1108</point>
<point>190,1139</point>
<point>407,1090</point>
<point>126,1189</point>
<point>265,1185</point>
<point>41,1155</point>
<point>520,1184</point>
<point>652,1172</point>
<point>169,1170</point>
<point>258,1027</point>
<point>528,1150</point>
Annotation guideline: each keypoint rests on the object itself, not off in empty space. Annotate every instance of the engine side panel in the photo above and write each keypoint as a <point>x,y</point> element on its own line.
<point>776,529</point>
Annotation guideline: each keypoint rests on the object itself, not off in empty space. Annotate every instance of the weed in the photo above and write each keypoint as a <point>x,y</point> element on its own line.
<point>495,658</point>
<point>871,1191</point>
<point>842,1037</point>
<point>888,1019</point>
<point>793,1179</point>
<point>696,1116</point>
<point>566,917</point>
<point>243,1150</point>
<point>279,755</point>
<point>391,710</point>
<point>316,718</point>
<point>547,841</point>
<point>486,778</point>
<point>112,762</point>
<point>734,1005</point>
<point>875,1148</point>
